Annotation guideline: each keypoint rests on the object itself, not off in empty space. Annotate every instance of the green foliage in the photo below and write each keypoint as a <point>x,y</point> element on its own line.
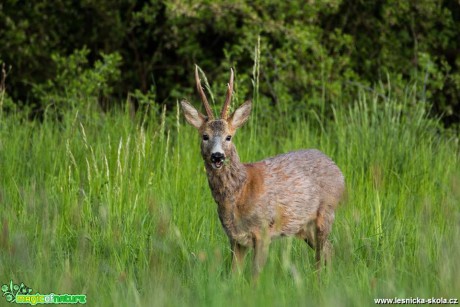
<point>416,40</point>
<point>116,205</point>
<point>296,65</point>
<point>6,103</point>
<point>76,85</point>
<point>314,54</point>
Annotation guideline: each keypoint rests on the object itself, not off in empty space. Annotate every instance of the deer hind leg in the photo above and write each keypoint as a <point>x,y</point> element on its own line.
<point>323,247</point>
<point>309,234</point>
<point>238,253</point>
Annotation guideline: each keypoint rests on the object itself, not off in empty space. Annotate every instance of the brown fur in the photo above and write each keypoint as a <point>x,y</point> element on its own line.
<point>252,190</point>
<point>293,194</point>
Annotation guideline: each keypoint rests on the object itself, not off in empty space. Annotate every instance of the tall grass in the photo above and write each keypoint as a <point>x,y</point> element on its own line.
<point>118,208</point>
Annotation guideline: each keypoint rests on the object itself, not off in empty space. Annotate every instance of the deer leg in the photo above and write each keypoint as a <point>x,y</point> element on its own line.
<point>260,255</point>
<point>318,250</point>
<point>238,252</point>
<point>309,234</point>
<point>323,246</point>
<point>327,252</point>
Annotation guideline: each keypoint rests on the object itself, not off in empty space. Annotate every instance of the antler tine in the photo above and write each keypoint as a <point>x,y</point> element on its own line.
<point>224,112</point>
<point>202,94</point>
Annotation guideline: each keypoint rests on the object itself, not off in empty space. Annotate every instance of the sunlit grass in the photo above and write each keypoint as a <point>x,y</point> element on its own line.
<point>118,208</point>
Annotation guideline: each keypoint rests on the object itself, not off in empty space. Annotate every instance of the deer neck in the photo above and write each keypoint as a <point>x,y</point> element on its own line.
<point>227,182</point>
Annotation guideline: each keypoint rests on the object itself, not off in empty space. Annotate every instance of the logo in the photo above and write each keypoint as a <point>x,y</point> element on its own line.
<point>21,294</point>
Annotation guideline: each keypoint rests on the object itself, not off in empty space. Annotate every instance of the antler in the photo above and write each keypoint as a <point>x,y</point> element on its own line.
<point>224,113</point>
<point>203,96</point>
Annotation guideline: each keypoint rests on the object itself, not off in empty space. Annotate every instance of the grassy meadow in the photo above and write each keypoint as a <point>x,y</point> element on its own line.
<point>117,206</point>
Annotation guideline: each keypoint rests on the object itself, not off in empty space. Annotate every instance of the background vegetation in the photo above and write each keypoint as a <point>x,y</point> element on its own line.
<point>102,187</point>
<point>313,51</point>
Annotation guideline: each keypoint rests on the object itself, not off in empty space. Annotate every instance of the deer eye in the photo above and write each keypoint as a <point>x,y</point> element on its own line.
<point>228,138</point>
<point>205,137</point>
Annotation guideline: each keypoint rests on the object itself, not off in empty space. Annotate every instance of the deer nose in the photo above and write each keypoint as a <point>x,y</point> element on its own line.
<point>217,157</point>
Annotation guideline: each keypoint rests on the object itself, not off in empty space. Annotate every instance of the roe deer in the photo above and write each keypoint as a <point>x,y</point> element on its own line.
<point>293,194</point>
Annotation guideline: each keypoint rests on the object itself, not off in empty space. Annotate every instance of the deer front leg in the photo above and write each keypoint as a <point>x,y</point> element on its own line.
<point>261,245</point>
<point>238,253</point>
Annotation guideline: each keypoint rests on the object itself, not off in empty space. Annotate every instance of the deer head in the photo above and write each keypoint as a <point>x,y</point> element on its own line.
<point>217,134</point>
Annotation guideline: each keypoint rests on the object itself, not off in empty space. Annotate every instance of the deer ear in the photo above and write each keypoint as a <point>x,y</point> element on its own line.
<point>193,117</point>
<point>241,115</point>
